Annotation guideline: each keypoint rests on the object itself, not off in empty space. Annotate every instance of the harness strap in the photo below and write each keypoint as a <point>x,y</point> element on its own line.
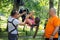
<point>13,25</point>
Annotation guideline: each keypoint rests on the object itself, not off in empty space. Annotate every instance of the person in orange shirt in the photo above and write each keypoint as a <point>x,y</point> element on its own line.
<point>52,27</point>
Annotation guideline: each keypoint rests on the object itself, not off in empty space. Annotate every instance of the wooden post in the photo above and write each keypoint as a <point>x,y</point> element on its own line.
<point>37,21</point>
<point>36,31</point>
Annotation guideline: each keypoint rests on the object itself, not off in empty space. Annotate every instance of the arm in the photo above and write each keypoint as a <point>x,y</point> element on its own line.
<point>17,22</point>
<point>56,24</point>
<point>22,24</point>
<point>33,17</point>
<point>56,30</point>
<point>22,14</point>
<point>27,16</point>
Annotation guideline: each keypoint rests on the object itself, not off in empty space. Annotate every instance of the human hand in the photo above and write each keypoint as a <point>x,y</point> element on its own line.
<point>51,38</point>
<point>24,13</point>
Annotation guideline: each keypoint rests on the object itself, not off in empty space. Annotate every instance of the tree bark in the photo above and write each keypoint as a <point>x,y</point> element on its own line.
<point>15,5</point>
<point>58,8</point>
<point>0,3</point>
<point>51,3</point>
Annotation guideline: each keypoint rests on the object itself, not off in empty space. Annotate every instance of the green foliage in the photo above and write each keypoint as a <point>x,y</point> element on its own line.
<point>5,7</point>
<point>41,7</point>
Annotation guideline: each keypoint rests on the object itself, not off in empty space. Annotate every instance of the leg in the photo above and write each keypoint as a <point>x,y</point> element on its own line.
<point>32,26</point>
<point>24,29</point>
<point>31,29</point>
<point>13,37</point>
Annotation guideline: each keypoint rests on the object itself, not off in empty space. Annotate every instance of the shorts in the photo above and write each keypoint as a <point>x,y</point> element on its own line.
<point>12,37</point>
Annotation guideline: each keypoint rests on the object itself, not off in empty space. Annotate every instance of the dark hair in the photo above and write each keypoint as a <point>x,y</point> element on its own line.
<point>13,12</point>
<point>37,20</point>
<point>21,11</point>
<point>24,10</point>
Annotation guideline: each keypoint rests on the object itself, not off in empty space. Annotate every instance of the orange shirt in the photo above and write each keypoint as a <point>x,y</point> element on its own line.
<point>52,23</point>
<point>59,22</point>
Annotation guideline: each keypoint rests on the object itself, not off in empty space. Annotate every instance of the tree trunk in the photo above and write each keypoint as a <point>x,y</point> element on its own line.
<point>15,5</point>
<point>51,3</point>
<point>58,8</point>
<point>0,3</point>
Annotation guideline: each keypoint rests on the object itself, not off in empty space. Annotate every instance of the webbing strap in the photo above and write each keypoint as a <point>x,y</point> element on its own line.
<point>13,25</point>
